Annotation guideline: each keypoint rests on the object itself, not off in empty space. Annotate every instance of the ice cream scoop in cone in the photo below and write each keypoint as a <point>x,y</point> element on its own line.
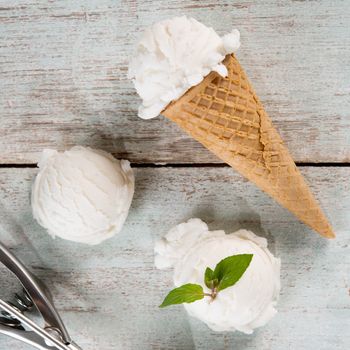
<point>180,70</point>
<point>225,115</point>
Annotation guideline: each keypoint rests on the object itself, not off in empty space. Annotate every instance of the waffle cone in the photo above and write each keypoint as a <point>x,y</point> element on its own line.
<point>226,116</point>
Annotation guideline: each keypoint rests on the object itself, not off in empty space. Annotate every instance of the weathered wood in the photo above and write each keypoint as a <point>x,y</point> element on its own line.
<point>109,294</point>
<point>63,76</point>
<point>63,82</point>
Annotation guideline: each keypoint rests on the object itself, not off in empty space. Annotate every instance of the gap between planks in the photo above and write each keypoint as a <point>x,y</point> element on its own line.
<point>189,165</point>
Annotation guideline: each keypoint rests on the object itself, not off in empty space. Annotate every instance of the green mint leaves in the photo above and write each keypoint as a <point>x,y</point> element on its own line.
<point>229,270</point>
<point>209,279</point>
<point>226,273</point>
<point>188,293</point>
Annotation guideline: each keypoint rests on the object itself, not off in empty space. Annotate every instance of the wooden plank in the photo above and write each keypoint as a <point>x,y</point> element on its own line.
<point>109,294</point>
<point>63,76</point>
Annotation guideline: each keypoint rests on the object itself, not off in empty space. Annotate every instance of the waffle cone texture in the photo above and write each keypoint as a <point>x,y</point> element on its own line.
<point>226,116</point>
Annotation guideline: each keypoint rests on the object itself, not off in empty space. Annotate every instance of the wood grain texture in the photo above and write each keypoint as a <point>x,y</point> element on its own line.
<point>63,71</point>
<point>108,295</point>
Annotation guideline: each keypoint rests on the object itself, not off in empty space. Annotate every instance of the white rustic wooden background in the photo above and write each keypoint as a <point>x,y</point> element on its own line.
<point>63,82</point>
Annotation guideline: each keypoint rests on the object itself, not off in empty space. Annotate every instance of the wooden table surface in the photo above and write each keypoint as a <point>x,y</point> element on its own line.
<point>63,82</point>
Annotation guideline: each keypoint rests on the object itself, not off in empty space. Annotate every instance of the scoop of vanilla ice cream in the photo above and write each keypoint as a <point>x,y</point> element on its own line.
<point>190,248</point>
<point>82,195</point>
<point>172,56</point>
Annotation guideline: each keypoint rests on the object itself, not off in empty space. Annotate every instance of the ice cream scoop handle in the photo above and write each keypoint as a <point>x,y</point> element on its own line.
<point>37,292</point>
<point>38,335</point>
<point>30,338</point>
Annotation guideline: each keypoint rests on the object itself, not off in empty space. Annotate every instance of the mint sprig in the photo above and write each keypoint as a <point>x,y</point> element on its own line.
<point>226,274</point>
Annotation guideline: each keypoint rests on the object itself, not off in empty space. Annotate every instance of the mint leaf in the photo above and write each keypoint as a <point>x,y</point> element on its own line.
<point>208,277</point>
<point>229,270</point>
<point>188,293</point>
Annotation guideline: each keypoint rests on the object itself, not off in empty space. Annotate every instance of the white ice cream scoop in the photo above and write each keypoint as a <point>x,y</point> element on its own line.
<point>83,194</point>
<point>172,56</point>
<point>250,303</point>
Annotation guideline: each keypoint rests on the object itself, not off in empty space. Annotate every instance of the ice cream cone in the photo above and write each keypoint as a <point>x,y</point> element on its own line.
<point>226,116</point>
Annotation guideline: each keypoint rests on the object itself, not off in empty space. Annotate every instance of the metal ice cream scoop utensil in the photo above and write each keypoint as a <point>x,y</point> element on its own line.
<point>53,336</point>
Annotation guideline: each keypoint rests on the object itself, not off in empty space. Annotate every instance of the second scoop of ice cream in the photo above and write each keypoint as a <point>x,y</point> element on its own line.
<point>172,56</point>
<point>83,194</point>
<point>190,248</point>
